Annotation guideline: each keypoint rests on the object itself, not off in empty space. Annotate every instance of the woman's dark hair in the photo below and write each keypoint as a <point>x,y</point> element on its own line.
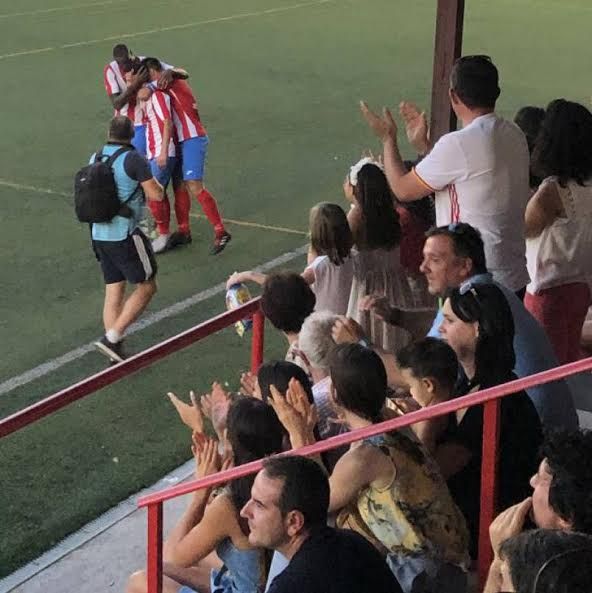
<point>279,373</point>
<point>564,145</point>
<point>287,300</point>
<point>475,81</point>
<point>486,305</point>
<point>379,228</point>
<point>254,431</point>
<point>424,208</point>
<point>549,561</point>
<point>330,234</point>
<point>359,379</point>
<point>430,358</point>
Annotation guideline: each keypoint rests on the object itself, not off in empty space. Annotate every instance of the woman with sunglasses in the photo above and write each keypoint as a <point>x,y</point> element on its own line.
<point>479,327</point>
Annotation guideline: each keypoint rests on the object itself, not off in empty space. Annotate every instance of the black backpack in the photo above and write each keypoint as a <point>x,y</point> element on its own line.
<point>95,190</point>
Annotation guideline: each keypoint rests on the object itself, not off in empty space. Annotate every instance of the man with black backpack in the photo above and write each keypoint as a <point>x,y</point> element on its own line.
<point>109,195</point>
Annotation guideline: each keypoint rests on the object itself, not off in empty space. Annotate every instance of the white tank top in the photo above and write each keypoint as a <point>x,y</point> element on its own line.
<point>562,253</point>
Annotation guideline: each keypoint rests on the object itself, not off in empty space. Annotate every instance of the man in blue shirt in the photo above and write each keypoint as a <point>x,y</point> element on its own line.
<point>453,256</point>
<point>124,252</point>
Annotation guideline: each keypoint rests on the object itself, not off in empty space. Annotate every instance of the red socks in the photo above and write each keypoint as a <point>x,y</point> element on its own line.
<point>161,212</point>
<point>182,207</point>
<point>210,209</point>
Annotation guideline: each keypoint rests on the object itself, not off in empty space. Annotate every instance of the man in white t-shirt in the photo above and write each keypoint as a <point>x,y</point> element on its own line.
<point>479,173</point>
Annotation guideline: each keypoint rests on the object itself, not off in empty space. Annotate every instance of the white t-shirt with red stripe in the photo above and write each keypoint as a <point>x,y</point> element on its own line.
<point>115,84</point>
<point>158,110</point>
<point>480,176</point>
<point>185,114</point>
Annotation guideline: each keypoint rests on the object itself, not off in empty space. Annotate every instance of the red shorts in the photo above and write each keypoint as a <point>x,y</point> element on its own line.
<point>561,310</point>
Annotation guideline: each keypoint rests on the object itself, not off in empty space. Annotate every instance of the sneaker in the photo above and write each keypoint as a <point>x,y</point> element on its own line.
<point>220,243</point>
<point>178,238</point>
<point>160,243</point>
<point>114,350</point>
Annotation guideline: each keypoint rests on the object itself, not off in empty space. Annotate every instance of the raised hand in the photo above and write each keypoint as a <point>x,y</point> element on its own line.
<point>416,126</point>
<point>215,406</point>
<point>237,278</point>
<point>250,385</point>
<point>347,331</point>
<point>190,414</point>
<point>298,399</point>
<point>205,452</point>
<point>384,127</point>
<point>508,523</point>
<point>293,420</point>
<point>165,80</point>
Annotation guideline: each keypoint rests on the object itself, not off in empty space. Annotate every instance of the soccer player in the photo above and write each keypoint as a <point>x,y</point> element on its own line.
<point>161,153</point>
<point>193,141</point>
<point>122,85</point>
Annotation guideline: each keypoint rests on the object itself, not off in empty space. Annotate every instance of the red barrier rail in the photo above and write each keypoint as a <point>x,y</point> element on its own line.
<point>488,397</point>
<point>70,394</point>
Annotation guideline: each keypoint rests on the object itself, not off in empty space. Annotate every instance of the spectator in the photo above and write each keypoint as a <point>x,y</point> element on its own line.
<point>287,512</point>
<point>330,268</point>
<point>429,368</point>
<point>387,487</point>
<point>377,268</point>
<point>454,256</point>
<point>559,227</point>
<point>253,432</point>
<point>545,561</point>
<point>287,301</point>
<point>479,173</point>
<point>478,326</point>
<point>123,251</point>
<point>529,120</point>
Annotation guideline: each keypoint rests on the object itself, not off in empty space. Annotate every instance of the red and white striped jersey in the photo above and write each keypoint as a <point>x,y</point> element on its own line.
<point>158,110</point>
<point>115,83</point>
<point>185,114</point>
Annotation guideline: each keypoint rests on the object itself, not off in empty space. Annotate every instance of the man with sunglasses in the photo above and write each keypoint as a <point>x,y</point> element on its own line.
<point>479,174</point>
<point>454,256</point>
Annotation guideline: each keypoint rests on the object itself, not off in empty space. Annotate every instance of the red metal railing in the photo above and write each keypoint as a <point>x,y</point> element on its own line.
<point>490,398</point>
<point>66,396</point>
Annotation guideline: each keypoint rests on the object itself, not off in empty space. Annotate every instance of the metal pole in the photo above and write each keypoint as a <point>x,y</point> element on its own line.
<point>257,341</point>
<point>154,563</point>
<point>489,484</point>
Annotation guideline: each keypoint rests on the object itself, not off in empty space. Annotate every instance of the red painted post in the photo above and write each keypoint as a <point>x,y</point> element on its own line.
<point>257,341</point>
<point>154,563</point>
<point>489,483</point>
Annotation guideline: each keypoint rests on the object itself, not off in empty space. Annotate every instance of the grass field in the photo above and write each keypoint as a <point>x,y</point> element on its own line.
<point>278,82</point>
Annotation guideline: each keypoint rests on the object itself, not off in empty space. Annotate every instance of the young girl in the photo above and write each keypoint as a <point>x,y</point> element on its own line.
<point>254,431</point>
<point>330,268</point>
<point>377,266</point>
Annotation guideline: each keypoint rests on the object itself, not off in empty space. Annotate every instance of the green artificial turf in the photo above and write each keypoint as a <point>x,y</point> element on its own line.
<point>278,93</point>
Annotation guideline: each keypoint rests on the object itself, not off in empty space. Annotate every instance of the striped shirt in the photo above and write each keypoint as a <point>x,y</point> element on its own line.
<point>185,114</point>
<point>158,110</point>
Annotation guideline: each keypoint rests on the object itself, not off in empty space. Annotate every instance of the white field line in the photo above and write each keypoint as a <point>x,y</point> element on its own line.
<point>9,15</point>
<point>53,365</point>
<point>121,36</point>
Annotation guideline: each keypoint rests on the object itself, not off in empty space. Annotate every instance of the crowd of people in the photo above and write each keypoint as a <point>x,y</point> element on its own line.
<point>458,272</point>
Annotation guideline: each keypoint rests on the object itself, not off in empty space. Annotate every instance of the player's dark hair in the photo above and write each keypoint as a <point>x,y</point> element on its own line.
<point>379,228</point>
<point>359,379</point>
<point>475,81</point>
<point>466,242</point>
<point>120,52</point>
<point>151,64</point>
<point>287,300</point>
<point>305,488</point>
<point>330,234</point>
<point>430,358</point>
<point>568,456</point>
<point>564,145</point>
<point>121,129</point>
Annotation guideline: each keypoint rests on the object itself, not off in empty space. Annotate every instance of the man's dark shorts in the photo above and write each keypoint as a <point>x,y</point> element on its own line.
<point>131,259</point>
